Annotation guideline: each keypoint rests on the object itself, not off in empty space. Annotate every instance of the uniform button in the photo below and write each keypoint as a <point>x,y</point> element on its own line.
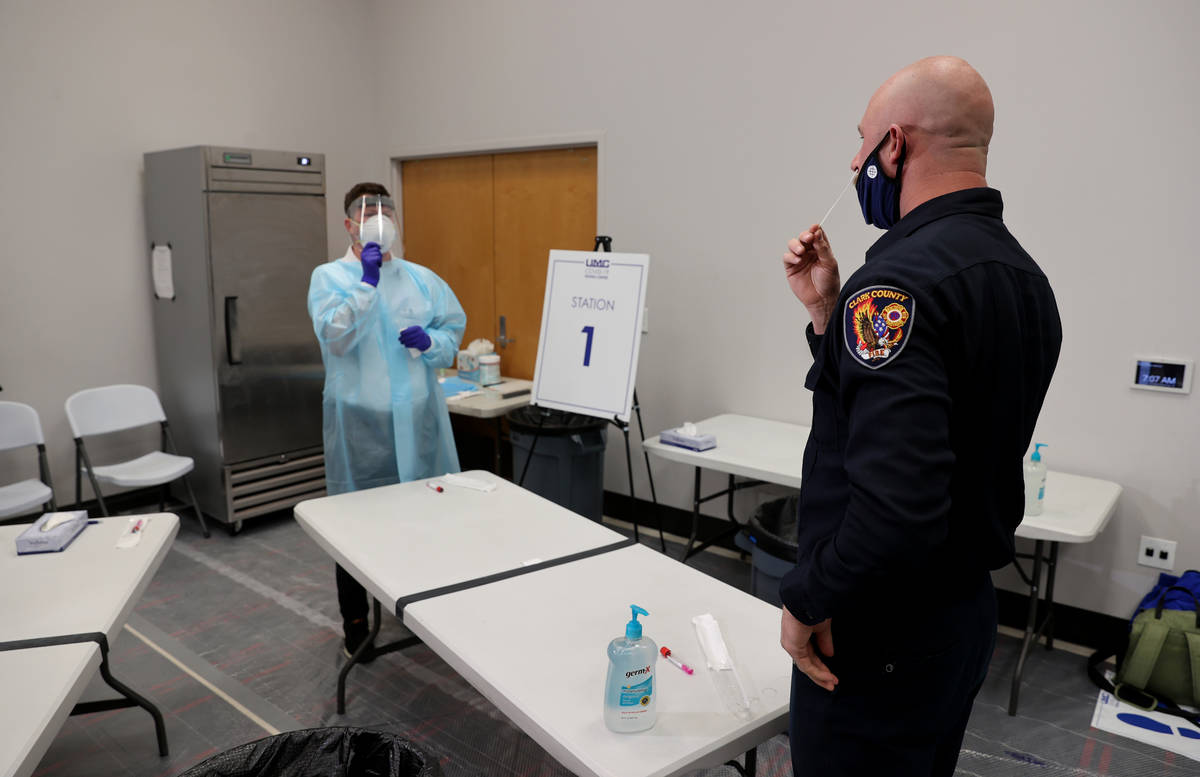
<point>888,668</point>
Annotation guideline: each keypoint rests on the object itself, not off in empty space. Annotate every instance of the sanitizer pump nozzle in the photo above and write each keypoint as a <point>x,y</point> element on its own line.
<point>633,629</point>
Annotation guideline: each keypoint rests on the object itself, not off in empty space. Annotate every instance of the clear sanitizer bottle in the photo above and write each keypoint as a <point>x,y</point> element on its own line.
<point>1035,481</point>
<point>629,698</point>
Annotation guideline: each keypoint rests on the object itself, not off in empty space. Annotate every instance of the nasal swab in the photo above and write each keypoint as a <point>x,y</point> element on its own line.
<point>821,223</point>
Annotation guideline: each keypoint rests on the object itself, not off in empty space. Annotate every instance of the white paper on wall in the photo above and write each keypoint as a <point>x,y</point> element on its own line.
<point>160,269</point>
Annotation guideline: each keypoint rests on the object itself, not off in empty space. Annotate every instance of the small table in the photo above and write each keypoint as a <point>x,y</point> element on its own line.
<point>493,402</point>
<point>72,605</point>
<point>756,448</point>
<point>521,596</point>
<point>1076,510</point>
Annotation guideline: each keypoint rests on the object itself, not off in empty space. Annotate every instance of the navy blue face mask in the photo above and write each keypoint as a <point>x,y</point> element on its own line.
<point>879,195</point>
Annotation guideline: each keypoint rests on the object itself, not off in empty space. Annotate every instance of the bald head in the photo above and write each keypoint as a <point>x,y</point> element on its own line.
<point>939,112</point>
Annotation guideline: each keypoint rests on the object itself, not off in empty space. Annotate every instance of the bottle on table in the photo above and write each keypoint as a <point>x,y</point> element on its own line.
<point>629,698</point>
<point>1035,481</point>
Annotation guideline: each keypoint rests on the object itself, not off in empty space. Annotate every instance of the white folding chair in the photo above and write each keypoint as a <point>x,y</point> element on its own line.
<point>20,427</point>
<point>112,409</point>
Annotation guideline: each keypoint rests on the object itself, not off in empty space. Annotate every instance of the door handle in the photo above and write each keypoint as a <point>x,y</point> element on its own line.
<point>233,343</point>
<point>503,340</point>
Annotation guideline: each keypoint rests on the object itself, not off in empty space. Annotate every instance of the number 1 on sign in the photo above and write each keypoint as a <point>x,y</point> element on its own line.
<point>587,350</point>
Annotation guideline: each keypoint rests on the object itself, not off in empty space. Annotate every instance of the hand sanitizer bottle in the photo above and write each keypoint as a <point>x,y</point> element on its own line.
<point>1035,481</point>
<point>629,700</point>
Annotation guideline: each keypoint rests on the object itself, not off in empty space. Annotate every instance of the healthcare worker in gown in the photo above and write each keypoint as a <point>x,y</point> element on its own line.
<point>385,325</point>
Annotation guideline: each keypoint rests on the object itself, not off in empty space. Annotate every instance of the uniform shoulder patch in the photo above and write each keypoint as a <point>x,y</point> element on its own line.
<point>876,324</point>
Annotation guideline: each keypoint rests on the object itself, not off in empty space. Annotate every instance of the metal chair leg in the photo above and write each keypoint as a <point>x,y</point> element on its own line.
<point>82,451</point>
<point>196,506</point>
<point>44,474</point>
<point>78,485</point>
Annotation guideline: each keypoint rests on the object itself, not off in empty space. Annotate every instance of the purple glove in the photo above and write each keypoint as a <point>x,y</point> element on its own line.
<point>415,337</point>
<point>372,260</point>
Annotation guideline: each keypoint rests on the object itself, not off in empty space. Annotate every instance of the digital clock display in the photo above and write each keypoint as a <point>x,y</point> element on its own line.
<point>1164,375</point>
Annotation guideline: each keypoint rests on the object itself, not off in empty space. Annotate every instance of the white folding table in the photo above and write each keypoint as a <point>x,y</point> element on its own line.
<point>522,596</point>
<point>493,403</point>
<point>763,451</point>
<point>1076,510</point>
<point>40,686</point>
<point>60,611</point>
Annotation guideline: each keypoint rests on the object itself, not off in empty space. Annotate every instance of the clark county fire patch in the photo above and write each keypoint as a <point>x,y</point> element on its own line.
<point>876,324</point>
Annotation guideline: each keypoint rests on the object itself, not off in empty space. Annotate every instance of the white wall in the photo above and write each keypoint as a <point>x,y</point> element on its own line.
<point>85,89</point>
<point>730,127</point>
<point>726,129</point>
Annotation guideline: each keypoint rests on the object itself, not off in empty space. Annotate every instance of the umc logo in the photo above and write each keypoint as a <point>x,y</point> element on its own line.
<point>595,267</point>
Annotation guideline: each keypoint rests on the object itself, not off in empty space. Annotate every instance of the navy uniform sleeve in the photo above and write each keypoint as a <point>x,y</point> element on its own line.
<point>894,396</point>
<point>814,340</point>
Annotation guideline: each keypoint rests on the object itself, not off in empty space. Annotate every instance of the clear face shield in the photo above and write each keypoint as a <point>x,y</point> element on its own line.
<point>374,219</point>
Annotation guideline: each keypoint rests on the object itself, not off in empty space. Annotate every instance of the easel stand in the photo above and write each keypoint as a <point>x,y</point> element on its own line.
<point>604,243</point>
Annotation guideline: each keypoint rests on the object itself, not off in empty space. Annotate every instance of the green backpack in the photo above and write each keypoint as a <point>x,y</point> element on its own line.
<point>1158,665</point>
<point>1162,662</point>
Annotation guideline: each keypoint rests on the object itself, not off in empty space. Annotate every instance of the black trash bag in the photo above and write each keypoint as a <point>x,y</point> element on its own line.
<point>773,527</point>
<point>321,752</point>
<point>550,422</point>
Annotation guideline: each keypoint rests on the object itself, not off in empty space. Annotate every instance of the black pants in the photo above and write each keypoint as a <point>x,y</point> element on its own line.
<point>908,674</point>
<point>352,599</point>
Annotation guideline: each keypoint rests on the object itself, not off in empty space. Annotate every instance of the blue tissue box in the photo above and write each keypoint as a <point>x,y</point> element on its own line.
<point>699,442</point>
<point>34,540</point>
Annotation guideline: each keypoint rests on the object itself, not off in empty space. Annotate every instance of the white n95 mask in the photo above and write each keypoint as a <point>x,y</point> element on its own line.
<point>378,229</point>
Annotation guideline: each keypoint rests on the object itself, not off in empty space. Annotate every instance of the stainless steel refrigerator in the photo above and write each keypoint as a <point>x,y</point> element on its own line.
<point>237,233</point>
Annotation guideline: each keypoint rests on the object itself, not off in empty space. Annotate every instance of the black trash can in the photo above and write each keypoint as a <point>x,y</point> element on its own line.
<point>321,752</point>
<point>770,539</point>
<point>568,460</point>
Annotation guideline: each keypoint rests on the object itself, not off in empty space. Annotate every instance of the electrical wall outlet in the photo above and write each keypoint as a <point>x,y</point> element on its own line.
<point>1156,552</point>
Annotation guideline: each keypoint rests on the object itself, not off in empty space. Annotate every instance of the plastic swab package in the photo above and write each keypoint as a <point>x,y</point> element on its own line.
<point>721,668</point>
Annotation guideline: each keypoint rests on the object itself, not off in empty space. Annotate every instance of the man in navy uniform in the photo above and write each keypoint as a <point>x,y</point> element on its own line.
<point>930,367</point>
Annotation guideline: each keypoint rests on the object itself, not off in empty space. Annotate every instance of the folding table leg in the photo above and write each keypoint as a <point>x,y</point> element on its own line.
<point>687,552</point>
<point>370,640</point>
<point>1051,565</point>
<point>1030,628</point>
<point>131,697</point>
<point>751,766</point>
<point>159,728</point>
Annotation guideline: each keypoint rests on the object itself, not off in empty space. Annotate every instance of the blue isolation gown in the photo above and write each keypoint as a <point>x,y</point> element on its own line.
<point>385,418</point>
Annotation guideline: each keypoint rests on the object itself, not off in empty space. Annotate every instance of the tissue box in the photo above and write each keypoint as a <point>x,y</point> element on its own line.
<point>34,540</point>
<point>468,366</point>
<point>698,442</point>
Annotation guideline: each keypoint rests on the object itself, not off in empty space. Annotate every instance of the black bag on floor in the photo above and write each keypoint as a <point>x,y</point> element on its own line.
<point>1158,668</point>
<point>321,752</point>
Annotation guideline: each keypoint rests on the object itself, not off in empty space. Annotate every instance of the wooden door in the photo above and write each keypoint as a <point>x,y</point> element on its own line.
<point>447,207</point>
<point>486,225</point>
<point>544,200</point>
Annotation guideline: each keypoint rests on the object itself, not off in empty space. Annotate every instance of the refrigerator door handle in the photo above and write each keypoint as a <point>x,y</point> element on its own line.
<point>233,344</point>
